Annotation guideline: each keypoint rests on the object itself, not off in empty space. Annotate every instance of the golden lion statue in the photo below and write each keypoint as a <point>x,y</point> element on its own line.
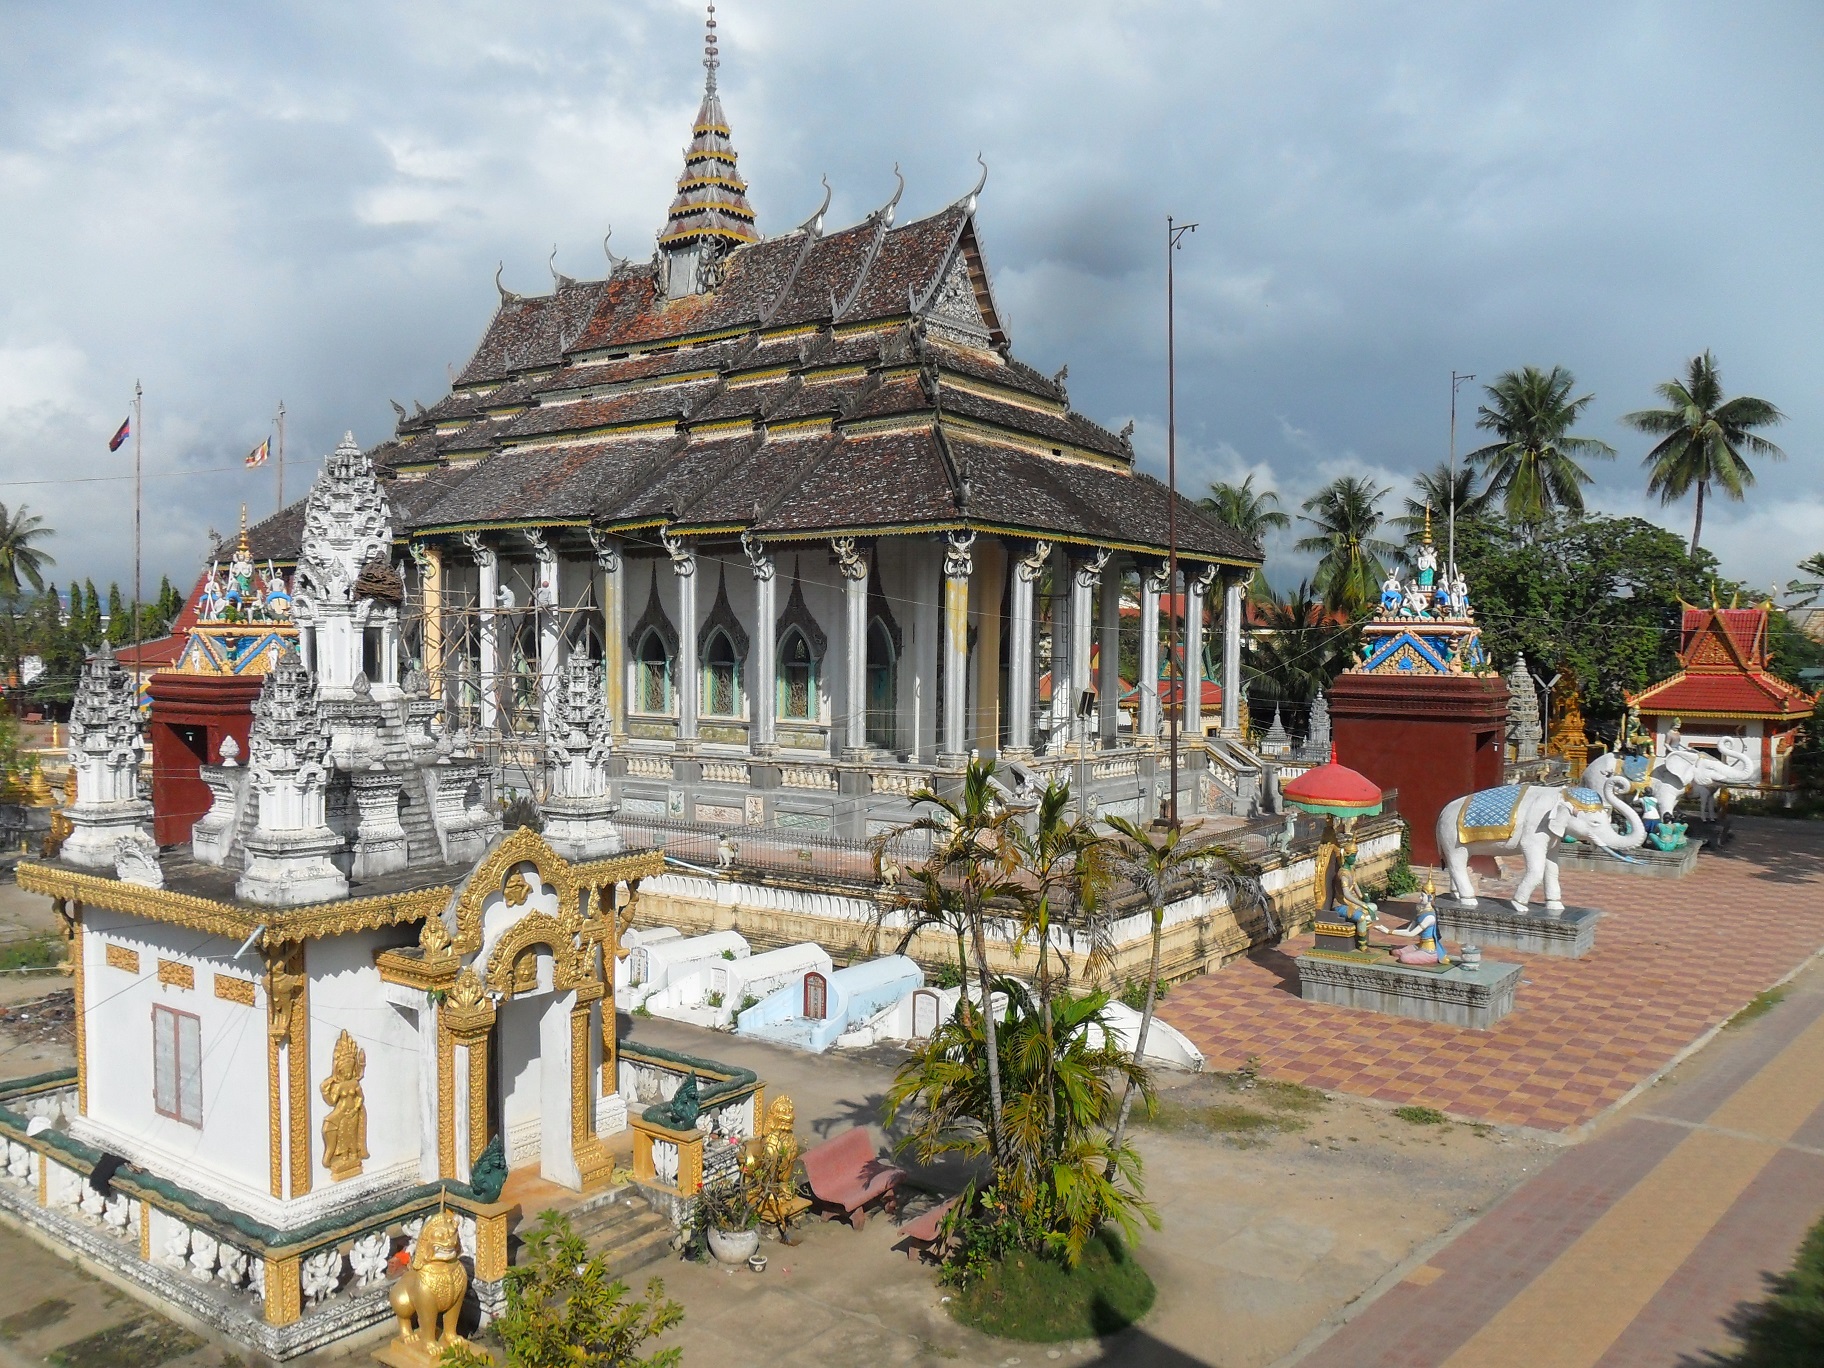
<point>432,1288</point>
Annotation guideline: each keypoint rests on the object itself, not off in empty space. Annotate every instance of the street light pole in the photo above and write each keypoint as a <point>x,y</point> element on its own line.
<point>1174,675</point>
<point>1456,382</point>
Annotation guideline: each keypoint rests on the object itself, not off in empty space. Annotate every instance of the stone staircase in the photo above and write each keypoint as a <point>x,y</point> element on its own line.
<point>628,1231</point>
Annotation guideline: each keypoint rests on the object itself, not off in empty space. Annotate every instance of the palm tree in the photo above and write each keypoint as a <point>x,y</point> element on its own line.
<point>1347,515</point>
<point>1151,862</point>
<point>1807,591</point>
<point>18,557</point>
<point>1534,468</point>
<point>1703,436</point>
<point>1433,491</point>
<point>1252,513</point>
<point>1299,648</point>
<point>974,853</point>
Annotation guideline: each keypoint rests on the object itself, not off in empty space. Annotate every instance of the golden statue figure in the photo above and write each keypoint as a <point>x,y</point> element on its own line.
<point>771,1164</point>
<point>345,1128</point>
<point>430,1292</point>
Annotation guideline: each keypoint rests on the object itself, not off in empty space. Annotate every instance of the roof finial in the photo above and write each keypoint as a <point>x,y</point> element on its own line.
<point>241,546</point>
<point>710,60</point>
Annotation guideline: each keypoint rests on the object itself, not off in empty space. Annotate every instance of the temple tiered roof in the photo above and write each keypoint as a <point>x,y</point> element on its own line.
<point>1724,654</point>
<point>807,385</point>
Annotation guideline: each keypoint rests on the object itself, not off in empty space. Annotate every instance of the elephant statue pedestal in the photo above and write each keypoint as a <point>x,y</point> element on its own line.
<point>1476,997</point>
<point>1648,860</point>
<point>1569,933</point>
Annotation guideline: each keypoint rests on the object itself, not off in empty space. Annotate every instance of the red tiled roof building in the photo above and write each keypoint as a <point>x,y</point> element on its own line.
<point>1725,688</point>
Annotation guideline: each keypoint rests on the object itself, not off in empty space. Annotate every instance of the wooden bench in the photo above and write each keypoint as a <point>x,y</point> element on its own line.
<point>846,1174</point>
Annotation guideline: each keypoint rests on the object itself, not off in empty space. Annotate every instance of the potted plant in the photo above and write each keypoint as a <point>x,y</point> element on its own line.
<point>729,1220</point>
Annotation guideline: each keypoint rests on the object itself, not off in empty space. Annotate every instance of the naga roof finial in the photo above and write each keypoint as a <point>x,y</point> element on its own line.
<point>614,262</point>
<point>814,224</point>
<point>970,198</point>
<point>885,212</point>
<point>506,296</point>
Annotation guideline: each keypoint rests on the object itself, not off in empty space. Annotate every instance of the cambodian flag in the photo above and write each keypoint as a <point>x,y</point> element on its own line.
<point>126,431</point>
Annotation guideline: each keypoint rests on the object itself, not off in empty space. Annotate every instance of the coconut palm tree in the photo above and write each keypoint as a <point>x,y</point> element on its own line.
<point>1434,490</point>
<point>1351,564</point>
<point>1249,511</point>
<point>1703,437</point>
<point>19,558</point>
<point>1534,469</point>
<point>1298,649</point>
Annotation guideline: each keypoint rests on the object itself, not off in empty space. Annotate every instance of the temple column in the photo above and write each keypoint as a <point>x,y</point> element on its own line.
<point>546,605</point>
<point>1061,703</point>
<point>1026,572</point>
<point>487,600</point>
<point>1085,576</point>
<point>1232,608</point>
<point>762,691</point>
<point>685,565</point>
<point>1146,725</point>
<point>987,589</point>
<point>1108,680</point>
<point>953,749</point>
<point>430,593</point>
<point>1196,589</point>
<point>614,647</point>
<point>854,567</point>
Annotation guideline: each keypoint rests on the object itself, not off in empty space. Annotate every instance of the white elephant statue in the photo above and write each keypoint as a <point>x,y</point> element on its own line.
<point>1683,767</point>
<point>1532,819</point>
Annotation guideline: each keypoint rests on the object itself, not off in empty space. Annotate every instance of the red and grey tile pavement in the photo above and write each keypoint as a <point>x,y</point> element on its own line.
<point>1430,1315</point>
<point>1672,960</point>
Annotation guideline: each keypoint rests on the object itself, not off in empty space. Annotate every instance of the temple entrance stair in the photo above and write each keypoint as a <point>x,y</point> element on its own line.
<point>625,1229</point>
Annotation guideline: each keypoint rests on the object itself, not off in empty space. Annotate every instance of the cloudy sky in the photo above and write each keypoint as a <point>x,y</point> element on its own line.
<point>238,204</point>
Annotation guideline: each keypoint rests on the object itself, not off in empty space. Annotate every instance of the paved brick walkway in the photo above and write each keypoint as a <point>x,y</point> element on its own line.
<point>1673,958</point>
<point>1641,1248</point>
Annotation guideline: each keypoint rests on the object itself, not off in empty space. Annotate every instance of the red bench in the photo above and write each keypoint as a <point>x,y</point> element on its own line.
<point>846,1174</point>
<point>923,1233</point>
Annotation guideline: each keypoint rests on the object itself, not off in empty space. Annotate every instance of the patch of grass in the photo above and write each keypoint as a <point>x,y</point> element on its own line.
<point>1241,1124</point>
<point>142,1343</point>
<point>1422,1116</point>
<point>37,952</point>
<point>1787,1330</point>
<point>1025,1297</point>
<point>47,1312</point>
<point>1758,1006</point>
<point>1289,1097</point>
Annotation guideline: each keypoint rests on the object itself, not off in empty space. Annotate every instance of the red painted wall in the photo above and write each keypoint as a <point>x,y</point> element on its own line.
<point>191,714</point>
<point>1433,738</point>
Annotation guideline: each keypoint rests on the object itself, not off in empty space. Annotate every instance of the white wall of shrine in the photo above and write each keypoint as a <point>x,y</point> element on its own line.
<point>225,1156</point>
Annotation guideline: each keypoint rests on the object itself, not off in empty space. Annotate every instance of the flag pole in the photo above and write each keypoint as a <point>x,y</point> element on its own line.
<point>139,431</point>
<point>281,460</point>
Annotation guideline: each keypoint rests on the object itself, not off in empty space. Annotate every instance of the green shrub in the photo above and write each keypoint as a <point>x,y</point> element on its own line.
<point>1026,1296</point>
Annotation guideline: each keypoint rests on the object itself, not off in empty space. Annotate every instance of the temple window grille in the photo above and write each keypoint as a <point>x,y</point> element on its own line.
<point>652,675</point>
<point>177,1065</point>
<point>883,687</point>
<point>797,678</point>
<point>721,677</point>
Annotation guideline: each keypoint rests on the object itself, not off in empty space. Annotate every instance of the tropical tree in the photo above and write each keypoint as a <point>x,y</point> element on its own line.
<point>1704,438</point>
<point>1534,468</point>
<point>1433,492</point>
<point>120,621</point>
<point>1808,590</point>
<point>20,559</point>
<point>90,632</point>
<point>1151,861</point>
<point>1299,647</point>
<point>1351,555</point>
<point>1252,512</point>
<point>974,853</point>
<point>1056,1176</point>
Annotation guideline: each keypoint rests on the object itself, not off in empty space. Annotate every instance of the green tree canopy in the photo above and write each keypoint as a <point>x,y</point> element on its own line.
<point>1535,470</point>
<point>1299,648</point>
<point>90,633</point>
<point>1351,553</point>
<point>1602,598</point>
<point>120,621</point>
<point>1704,439</point>
<point>1434,490</point>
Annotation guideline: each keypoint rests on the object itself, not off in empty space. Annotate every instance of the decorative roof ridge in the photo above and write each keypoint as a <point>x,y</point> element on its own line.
<point>812,231</point>
<point>882,219</point>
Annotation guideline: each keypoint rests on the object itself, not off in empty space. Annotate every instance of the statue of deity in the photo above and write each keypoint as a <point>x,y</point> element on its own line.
<point>1343,899</point>
<point>1428,556</point>
<point>1459,595</point>
<point>1391,594</point>
<point>345,1128</point>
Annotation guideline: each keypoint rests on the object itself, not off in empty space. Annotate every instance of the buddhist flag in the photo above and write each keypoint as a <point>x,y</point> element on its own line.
<point>119,438</point>
<point>257,457</point>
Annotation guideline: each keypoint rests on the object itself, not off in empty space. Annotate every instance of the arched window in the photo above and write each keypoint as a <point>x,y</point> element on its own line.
<point>652,675</point>
<point>797,678</point>
<point>721,677</point>
<point>883,687</point>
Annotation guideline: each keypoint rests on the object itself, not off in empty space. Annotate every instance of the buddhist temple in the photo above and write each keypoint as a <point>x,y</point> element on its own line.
<point>1724,688</point>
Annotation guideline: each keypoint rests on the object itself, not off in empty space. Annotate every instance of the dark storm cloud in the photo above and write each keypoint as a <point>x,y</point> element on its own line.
<point>239,203</point>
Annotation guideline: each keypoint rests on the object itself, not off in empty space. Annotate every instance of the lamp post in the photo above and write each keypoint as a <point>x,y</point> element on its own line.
<point>1456,382</point>
<point>1173,232</point>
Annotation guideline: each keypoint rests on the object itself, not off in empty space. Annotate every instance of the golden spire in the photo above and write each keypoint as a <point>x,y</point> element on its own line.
<point>241,547</point>
<point>1426,535</point>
